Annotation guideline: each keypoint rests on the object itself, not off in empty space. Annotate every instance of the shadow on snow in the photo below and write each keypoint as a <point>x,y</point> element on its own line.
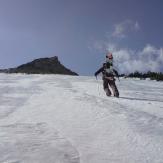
<point>141,99</point>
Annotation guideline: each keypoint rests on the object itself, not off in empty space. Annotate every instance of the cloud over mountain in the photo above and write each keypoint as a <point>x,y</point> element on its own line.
<point>121,30</point>
<point>149,58</point>
<point>127,60</point>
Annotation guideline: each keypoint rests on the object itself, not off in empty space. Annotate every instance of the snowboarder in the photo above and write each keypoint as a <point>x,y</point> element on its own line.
<point>108,76</point>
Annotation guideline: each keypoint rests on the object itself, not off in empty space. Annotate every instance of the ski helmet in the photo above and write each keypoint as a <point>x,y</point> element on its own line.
<point>109,55</point>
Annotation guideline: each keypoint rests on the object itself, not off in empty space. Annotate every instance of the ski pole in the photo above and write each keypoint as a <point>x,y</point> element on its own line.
<point>98,86</point>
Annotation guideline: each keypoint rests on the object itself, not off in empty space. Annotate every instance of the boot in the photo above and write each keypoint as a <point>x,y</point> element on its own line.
<point>108,93</point>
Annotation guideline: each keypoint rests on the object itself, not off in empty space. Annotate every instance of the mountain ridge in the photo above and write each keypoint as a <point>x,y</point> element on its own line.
<point>46,65</point>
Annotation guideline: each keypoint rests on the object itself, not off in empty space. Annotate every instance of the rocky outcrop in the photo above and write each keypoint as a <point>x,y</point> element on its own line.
<point>41,66</point>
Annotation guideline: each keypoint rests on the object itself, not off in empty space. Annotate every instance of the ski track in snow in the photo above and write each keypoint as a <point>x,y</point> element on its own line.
<point>64,119</point>
<point>28,142</point>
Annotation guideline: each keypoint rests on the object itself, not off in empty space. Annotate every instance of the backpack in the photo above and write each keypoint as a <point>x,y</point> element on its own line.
<point>108,68</point>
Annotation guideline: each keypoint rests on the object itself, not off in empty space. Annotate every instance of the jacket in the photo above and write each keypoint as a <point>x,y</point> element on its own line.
<point>103,71</point>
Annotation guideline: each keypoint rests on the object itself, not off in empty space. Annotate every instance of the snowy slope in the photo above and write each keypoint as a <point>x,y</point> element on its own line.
<point>65,119</point>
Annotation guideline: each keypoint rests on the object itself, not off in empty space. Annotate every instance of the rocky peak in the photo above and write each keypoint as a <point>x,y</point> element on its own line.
<point>42,66</point>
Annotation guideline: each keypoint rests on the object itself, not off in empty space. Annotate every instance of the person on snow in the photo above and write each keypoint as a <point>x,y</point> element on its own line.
<point>108,76</point>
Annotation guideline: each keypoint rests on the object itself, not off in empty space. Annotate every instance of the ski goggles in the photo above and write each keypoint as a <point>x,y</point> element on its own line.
<point>110,57</point>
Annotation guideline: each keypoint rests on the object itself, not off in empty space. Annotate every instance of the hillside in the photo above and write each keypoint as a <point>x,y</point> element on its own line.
<point>42,66</point>
<point>68,119</point>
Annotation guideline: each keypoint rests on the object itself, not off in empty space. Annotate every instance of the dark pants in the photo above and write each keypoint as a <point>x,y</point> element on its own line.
<point>111,83</point>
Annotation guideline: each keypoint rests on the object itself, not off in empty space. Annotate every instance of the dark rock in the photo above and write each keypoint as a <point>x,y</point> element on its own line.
<point>41,66</point>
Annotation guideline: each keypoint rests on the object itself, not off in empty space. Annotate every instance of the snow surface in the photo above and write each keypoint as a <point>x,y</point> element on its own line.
<point>65,119</point>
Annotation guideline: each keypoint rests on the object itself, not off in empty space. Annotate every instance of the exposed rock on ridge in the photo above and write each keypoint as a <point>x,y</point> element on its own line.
<point>41,66</point>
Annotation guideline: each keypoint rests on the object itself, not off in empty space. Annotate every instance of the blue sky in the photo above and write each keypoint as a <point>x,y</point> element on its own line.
<point>80,32</point>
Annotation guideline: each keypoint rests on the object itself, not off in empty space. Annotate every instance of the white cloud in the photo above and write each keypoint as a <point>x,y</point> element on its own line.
<point>121,30</point>
<point>148,59</point>
<point>127,60</point>
<point>137,26</point>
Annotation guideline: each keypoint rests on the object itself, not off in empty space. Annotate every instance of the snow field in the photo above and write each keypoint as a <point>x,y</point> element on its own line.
<point>64,119</point>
